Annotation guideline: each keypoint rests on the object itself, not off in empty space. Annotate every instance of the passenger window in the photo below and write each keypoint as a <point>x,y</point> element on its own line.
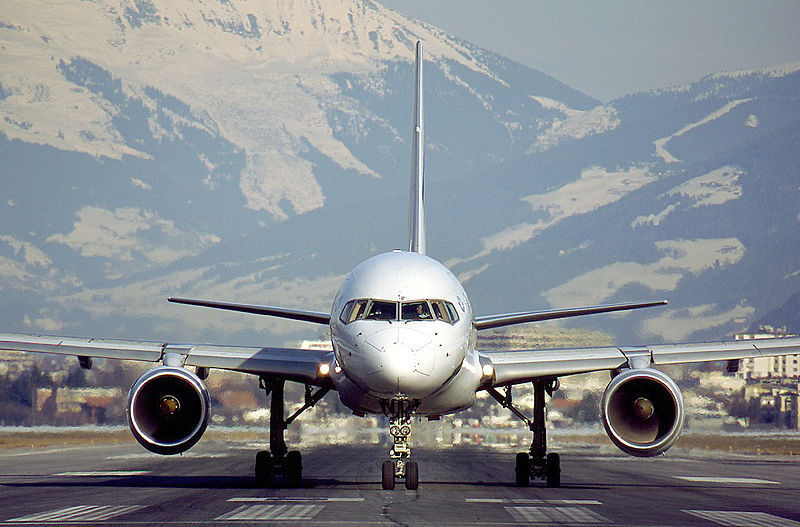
<point>382,310</point>
<point>416,311</point>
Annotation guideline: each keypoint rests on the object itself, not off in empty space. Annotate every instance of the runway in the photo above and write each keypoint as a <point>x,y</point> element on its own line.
<point>469,486</point>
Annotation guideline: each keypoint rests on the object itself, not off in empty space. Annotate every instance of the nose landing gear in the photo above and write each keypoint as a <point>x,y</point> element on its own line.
<point>400,429</point>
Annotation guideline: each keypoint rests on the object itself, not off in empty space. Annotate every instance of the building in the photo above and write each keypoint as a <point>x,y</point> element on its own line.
<point>79,405</point>
<point>780,367</point>
<point>775,402</point>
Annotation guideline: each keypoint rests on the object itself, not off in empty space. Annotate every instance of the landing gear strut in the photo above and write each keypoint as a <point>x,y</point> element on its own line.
<point>537,463</point>
<point>278,460</point>
<point>400,466</point>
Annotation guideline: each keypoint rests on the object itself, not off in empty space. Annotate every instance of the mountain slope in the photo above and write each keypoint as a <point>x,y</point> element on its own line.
<point>257,152</point>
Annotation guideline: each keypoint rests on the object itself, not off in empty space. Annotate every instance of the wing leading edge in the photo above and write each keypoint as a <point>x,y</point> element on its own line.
<point>301,365</point>
<point>515,367</point>
<point>509,319</point>
<point>317,317</point>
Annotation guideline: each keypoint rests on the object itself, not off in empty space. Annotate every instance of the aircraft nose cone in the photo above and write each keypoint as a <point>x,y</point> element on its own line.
<point>399,362</point>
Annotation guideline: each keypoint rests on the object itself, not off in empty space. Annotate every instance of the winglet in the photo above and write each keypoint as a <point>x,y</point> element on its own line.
<point>416,209</point>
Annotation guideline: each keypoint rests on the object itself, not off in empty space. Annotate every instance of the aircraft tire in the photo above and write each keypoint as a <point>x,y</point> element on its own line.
<point>387,475</point>
<point>264,468</point>
<point>294,469</point>
<point>523,469</point>
<point>553,470</point>
<point>412,475</point>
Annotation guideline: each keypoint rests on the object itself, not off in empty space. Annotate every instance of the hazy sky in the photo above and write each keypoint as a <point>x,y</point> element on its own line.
<point>609,48</point>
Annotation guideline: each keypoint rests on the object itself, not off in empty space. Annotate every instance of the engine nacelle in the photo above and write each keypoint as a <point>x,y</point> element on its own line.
<point>643,412</point>
<point>168,410</point>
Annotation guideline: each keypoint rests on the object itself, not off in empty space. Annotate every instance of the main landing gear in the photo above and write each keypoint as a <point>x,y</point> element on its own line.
<point>400,466</point>
<point>278,461</point>
<point>537,463</point>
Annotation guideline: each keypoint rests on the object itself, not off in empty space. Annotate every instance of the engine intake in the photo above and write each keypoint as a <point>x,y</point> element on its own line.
<point>642,412</point>
<point>168,410</point>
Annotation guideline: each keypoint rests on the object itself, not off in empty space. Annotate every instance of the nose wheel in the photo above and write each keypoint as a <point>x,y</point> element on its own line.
<point>400,466</point>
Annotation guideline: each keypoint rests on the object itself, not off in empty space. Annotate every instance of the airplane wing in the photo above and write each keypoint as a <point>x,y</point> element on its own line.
<point>301,365</point>
<point>316,317</point>
<point>514,367</point>
<point>508,319</point>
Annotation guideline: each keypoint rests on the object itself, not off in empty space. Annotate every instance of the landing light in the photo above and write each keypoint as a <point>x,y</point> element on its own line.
<point>488,370</point>
<point>324,369</point>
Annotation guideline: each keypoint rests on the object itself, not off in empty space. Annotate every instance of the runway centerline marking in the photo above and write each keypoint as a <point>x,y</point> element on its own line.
<point>78,513</point>
<point>729,481</point>
<point>744,519</point>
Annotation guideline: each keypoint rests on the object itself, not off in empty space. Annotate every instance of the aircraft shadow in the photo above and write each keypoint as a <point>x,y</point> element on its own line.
<point>248,482</point>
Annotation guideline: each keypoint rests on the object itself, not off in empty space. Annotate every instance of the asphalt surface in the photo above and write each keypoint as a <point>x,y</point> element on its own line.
<point>213,485</point>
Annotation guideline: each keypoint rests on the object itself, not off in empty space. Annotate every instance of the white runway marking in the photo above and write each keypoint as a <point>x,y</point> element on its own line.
<point>744,519</point>
<point>532,501</point>
<point>259,499</point>
<point>104,474</point>
<point>272,512</point>
<point>555,515</point>
<point>79,513</point>
<point>729,481</point>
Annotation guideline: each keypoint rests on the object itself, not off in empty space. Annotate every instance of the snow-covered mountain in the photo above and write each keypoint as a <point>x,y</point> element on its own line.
<point>257,151</point>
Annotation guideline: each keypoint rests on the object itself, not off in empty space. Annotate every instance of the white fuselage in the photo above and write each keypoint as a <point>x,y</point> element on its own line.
<point>402,328</point>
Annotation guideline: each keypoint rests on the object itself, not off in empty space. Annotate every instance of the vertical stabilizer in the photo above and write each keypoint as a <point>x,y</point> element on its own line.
<point>416,206</point>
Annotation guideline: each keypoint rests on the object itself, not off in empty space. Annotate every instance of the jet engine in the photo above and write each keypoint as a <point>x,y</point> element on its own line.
<point>642,412</point>
<point>168,409</point>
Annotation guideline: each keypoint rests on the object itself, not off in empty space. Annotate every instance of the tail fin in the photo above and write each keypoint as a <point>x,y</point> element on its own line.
<point>416,209</point>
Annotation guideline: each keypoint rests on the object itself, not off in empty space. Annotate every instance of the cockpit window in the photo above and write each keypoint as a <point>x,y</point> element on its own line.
<point>353,310</point>
<point>382,310</point>
<point>418,310</point>
<point>451,309</point>
<point>444,310</point>
<point>368,309</point>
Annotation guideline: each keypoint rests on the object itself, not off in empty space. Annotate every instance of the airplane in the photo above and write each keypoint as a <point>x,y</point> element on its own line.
<point>404,346</point>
